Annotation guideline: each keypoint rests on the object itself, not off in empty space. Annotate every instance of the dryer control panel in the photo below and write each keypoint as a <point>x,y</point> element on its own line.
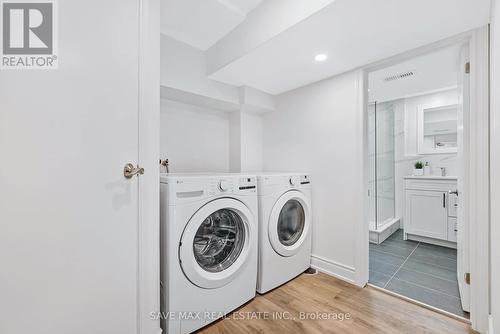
<point>304,179</point>
<point>296,181</point>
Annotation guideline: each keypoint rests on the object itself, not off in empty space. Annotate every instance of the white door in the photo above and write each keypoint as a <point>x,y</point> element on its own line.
<point>68,216</point>
<point>463,261</point>
<point>427,214</point>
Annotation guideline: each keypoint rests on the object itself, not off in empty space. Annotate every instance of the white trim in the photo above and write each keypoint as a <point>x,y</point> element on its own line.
<point>479,166</point>
<point>416,302</point>
<point>490,325</point>
<point>362,228</point>
<point>433,241</point>
<point>478,174</point>
<point>332,268</point>
<point>148,276</point>
<point>422,93</point>
<point>426,49</point>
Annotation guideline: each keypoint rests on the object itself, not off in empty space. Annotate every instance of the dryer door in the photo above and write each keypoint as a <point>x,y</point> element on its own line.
<point>215,244</point>
<point>289,223</point>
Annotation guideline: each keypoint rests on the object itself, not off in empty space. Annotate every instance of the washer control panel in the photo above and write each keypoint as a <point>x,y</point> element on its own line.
<point>230,185</point>
<point>221,186</point>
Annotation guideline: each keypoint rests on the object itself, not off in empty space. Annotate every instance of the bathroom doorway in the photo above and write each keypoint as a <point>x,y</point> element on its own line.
<point>417,231</point>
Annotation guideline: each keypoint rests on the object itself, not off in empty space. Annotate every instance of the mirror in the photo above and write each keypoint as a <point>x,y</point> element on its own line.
<point>437,129</point>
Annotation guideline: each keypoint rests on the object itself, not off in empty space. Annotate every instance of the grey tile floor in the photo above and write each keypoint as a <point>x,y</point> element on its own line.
<point>417,270</point>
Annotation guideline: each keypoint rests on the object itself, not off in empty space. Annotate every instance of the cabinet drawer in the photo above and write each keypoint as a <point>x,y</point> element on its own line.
<point>452,229</point>
<point>431,185</point>
<point>452,205</point>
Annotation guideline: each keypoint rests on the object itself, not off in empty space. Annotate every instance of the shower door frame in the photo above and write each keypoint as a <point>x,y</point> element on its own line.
<point>376,170</point>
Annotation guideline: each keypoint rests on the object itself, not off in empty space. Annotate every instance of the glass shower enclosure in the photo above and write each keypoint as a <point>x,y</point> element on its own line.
<point>381,178</point>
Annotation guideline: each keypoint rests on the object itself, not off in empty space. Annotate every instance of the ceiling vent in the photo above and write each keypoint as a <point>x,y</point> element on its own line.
<point>398,76</point>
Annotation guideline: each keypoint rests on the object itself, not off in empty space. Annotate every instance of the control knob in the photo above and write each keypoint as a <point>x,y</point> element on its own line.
<point>294,180</point>
<point>223,185</point>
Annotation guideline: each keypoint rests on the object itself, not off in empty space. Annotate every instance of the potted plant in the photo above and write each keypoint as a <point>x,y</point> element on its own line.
<point>419,168</point>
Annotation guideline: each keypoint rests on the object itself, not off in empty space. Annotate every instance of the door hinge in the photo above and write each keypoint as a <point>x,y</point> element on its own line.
<point>467,278</point>
<point>467,67</point>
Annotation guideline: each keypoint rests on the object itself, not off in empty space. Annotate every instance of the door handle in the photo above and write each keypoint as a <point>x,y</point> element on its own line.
<point>129,170</point>
<point>453,192</point>
<point>444,200</point>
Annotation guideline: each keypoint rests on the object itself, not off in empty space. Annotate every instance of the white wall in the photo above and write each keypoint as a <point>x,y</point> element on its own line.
<point>251,142</point>
<point>194,139</point>
<point>183,67</point>
<point>319,129</point>
<point>197,139</point>
<point>196,134</point>
<point>495,164</point>
<point>245,142</point>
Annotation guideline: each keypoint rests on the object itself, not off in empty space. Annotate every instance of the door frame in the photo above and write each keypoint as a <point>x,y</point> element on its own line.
<point>148,274</point>
<point>476,168</point>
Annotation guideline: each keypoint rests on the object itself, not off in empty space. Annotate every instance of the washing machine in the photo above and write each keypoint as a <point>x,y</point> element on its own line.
<point>285,227</point>
<point>209,243</point>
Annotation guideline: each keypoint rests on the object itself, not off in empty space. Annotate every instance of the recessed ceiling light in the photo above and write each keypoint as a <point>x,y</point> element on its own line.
<point>321,57</point>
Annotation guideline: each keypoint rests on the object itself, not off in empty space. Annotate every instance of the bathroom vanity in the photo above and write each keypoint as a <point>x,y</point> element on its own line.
<point>431,209</point>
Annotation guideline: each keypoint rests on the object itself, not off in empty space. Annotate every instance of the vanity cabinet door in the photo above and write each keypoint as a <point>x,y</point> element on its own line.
<point>427,214</point>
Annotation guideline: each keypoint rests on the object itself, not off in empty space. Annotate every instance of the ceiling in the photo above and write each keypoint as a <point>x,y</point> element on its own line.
<point>433,71</point>
<point>275,52</point>
<point>201,23</point>
<point>353,33</point>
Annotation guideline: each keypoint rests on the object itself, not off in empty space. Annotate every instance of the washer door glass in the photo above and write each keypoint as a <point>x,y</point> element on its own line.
<point>219,240</point>
<point>291,222</point>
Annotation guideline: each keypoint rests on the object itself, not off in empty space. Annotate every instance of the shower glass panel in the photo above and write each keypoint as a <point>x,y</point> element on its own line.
<point>381,164</point>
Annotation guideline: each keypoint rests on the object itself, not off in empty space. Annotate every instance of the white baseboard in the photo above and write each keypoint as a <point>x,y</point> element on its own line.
<point>333,268</point>
<point>443,243</point>
<point>490,325</point>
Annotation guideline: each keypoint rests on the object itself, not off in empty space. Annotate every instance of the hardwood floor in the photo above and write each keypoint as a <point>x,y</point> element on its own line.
<point>364,310</point>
